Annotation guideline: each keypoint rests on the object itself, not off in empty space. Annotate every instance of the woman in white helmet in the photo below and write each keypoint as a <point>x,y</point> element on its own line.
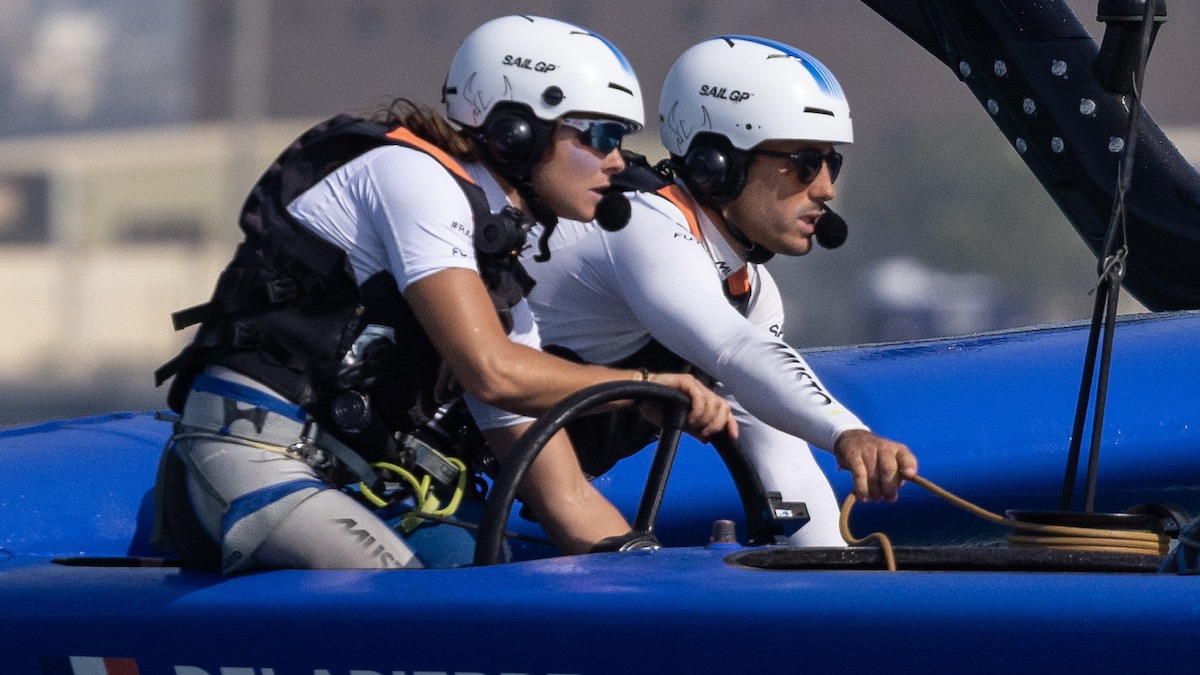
<point>751,126</point>
<point>377,288</point>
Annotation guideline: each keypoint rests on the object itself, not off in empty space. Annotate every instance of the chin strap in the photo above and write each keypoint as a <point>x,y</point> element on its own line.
<point>755,253</point>
<point>538,207</point>
<point>540,211</point>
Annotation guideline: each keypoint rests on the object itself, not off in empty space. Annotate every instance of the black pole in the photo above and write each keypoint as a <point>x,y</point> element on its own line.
<point>1102,390</point>
<point>660,469</point>
<point>1085,395</point>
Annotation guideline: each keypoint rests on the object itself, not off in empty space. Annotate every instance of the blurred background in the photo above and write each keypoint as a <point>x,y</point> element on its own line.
<point>131,130</point>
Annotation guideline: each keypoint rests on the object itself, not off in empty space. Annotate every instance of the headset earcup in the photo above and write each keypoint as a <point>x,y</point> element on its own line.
<point>510,137</point>
<point>717,173</point>
<point>707,169</point>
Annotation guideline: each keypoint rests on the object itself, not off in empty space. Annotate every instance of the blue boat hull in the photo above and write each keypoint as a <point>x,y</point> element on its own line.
<point>675,610</point>
<point>990,418</point>
<point>989,415</point>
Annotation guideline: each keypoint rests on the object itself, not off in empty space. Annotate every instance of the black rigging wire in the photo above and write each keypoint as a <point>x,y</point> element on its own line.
<point>1111,271</point>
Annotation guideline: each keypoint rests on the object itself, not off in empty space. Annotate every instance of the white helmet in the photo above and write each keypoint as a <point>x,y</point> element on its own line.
<point>750,90</point>
<point>554,68</point>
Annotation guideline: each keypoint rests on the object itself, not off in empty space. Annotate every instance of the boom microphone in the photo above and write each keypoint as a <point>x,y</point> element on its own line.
<point>612,212</point>
<point>831,230</point>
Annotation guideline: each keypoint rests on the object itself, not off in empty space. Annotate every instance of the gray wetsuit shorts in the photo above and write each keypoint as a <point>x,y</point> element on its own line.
<point>228,477</point>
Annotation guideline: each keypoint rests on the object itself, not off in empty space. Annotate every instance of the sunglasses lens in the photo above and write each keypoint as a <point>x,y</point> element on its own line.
<point>808,164</point>
<point>834,161</point>
<point>604,136</point>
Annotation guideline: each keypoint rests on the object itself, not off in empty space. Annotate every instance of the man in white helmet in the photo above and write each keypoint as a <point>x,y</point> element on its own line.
<point>751,126</point>
<point>376,289</point>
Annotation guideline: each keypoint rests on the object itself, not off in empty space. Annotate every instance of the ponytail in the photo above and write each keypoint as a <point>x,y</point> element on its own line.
<point>431,126</point>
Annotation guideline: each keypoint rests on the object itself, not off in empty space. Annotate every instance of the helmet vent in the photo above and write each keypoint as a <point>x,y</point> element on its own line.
<point>614,85</point>
<point>819,111</point>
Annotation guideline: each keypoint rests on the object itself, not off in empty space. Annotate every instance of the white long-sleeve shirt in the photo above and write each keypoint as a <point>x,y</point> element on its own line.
<point>604,295</point>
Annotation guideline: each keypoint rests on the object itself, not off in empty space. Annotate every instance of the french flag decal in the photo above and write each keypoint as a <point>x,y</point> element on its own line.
<point>88,665</point>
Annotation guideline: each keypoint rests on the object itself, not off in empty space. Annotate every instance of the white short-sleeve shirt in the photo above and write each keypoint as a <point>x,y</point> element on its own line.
<point>397,209</point>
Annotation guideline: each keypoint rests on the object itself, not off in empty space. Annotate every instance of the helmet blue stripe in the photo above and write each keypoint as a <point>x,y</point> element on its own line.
<point>628,68</point>
<point>825,79</point>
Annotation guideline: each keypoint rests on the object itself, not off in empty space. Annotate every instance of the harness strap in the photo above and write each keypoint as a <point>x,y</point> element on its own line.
<point>270,292</point>
<point>311,434</point>
<point>252,516</point>
<point>403,135</point>
<point>738,283</point>
<point>353,461</point>
<point>240,392</point>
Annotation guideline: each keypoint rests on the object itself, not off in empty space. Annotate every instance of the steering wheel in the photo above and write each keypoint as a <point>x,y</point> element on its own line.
<point>489,542</point>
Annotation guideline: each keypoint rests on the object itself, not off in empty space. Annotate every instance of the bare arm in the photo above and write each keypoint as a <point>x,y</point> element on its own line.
<point>567,506</point>
<point>456,312</point>
<point>453,307</point>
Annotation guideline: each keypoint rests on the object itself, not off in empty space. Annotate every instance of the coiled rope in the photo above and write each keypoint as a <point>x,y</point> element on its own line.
<point>427,503</point>
<point>1025,535</point>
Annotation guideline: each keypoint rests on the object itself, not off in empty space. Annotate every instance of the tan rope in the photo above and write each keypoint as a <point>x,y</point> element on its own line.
<point>1029,535</point>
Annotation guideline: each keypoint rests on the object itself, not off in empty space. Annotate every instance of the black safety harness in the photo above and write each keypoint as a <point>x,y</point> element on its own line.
<point>288,312</point>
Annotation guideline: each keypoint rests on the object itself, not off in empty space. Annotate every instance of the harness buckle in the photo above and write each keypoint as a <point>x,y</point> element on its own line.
<point>431,461</point>
<point>243,336</point>
<point>307,450</point>
<point>280,289</point>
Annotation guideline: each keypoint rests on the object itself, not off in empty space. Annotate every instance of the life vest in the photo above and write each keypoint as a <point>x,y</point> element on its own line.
<point>287,309</point>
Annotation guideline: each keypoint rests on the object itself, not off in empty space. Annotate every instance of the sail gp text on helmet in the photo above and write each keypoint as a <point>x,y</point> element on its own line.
<point>528,64</point>
<point>719,92</point>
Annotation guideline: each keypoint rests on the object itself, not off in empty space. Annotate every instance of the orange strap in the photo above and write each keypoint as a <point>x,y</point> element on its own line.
<point>738,283</point>
<point>409,138</point>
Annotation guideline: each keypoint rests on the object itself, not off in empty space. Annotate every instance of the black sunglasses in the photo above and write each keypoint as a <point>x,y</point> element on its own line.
<point>603,135</point>
<point>808,162</point>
